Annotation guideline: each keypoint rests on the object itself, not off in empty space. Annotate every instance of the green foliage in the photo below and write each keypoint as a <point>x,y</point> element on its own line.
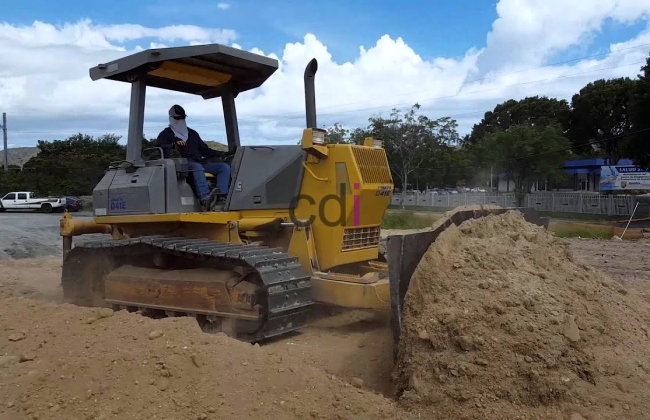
<point>421,151</point>
<point>12,180</point>
<point>581,230</point>
<point>534,110</point>
<point>66,167</point>
<point>70,167</point>
<point>453,166</point>
<point>337,134</point>
<point>600,111</point>
<point>407,220</point>
<point>638,147</point>
<point>412,140</point>
<point>525,153</point>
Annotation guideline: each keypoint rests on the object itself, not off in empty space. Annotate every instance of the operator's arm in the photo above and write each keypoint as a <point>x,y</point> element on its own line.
<point>165,140</point>
<point>168,142</point>
<point>205,150</point>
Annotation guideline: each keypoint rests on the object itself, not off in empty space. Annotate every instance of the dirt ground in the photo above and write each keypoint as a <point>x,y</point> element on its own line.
<point>343,357</point>
<point>355,347</point>
<point>624,261</point>
<point>349,344</point>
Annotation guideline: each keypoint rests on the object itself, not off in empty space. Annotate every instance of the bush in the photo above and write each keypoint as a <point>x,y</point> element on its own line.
<point>407,220</point>
<point>582,230</point>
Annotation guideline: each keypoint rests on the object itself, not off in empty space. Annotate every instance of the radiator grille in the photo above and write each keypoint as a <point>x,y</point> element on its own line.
<point>373,165</point>
<point>360,238</point>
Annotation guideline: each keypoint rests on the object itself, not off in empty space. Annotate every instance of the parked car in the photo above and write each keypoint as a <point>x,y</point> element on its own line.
<point>73,204</point>
<point>28,200</point>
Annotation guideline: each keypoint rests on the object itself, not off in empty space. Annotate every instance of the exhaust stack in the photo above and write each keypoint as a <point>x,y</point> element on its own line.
<point>310,93</point>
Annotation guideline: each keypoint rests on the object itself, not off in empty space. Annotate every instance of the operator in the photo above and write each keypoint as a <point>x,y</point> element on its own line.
<point>190,146</point>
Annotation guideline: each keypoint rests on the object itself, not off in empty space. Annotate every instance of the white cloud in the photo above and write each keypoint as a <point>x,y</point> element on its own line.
<point>47,93</point>
<point>526,33</point>
<point>175,33</point>
<point>223,6</point>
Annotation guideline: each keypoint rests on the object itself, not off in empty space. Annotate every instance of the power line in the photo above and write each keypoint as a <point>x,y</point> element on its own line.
<point>553,79</point>
<point>300,114</point>
<point>296,115</point>
<point>497,75</point>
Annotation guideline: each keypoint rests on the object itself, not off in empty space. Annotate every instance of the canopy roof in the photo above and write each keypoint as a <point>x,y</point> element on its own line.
<point>206,70</point>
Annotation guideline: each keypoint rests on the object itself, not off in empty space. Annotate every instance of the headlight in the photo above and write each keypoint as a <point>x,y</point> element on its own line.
<point>318,137</point>
<point>373,142</point>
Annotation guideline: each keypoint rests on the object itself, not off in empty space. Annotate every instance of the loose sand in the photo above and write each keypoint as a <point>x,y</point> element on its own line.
<point>502,320</point>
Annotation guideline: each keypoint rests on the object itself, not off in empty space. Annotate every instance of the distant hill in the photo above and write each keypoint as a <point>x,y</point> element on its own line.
<point>216,145</point>
<point>18,155</point>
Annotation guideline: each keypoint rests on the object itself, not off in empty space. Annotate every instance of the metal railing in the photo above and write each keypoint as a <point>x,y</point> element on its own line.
<point>612,205</point>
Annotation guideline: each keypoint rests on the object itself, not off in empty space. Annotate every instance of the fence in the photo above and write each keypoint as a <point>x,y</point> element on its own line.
<point>612,205</point>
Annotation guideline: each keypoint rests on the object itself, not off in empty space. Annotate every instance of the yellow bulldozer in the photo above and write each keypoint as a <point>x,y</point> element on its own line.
<point>301,223</point>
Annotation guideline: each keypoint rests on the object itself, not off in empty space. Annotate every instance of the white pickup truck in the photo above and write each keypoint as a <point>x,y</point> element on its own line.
<point>27,200</point>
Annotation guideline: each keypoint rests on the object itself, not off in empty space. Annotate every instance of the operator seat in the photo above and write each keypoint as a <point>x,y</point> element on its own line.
<point>212,180</point>
<point>181,166</point>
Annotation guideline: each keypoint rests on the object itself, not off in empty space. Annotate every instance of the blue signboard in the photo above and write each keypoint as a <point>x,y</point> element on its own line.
<point>613,178</point>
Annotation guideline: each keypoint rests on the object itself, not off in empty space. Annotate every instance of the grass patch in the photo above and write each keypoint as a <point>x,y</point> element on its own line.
<point>88,205</point>
<point>428,209</point>
<point>407,220</point>
<point>584,217</point>
<point>582,230</point>
<point>421,219</point>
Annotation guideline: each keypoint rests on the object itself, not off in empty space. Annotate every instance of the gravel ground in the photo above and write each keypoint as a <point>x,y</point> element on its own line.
<point>348,344</point>
<point>31,234</point>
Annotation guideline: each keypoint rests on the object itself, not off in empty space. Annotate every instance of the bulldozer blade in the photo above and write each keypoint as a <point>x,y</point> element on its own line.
<point>404,252</point>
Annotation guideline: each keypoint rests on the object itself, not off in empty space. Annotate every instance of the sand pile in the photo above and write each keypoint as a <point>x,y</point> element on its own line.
<point>501,321</point>
<point>436,224</point>
<point>446,215</point>
<point>66,362</point>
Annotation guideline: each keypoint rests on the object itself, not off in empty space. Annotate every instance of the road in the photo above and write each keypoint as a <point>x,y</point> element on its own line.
<point>31,234</point>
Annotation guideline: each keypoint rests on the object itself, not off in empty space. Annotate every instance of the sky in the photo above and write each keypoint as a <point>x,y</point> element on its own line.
<point>456,59</point>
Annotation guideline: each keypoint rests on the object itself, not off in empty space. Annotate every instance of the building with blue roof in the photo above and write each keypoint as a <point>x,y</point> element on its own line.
<point>583,175</point>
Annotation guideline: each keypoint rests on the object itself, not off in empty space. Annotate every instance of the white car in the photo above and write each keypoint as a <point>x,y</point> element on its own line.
<point>27,200</point>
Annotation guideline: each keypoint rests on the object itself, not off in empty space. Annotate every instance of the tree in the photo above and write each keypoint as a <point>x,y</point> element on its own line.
<point>600,111</point>
<point>461,167</point>
<point>525,153</point>
<point>532,111</point>
<point>358,135</point>
<point>72,166</point>
<point>639,142</point>
<point>447,166</point>
<point>411,140</point>
<point>337,134</point>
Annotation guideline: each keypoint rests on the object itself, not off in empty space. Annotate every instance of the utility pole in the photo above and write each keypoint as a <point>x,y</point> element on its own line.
<point>4,138</point>
<point>491,169</point>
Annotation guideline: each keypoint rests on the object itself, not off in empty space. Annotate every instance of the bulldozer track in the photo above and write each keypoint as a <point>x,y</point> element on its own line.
<point>287,287</point>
